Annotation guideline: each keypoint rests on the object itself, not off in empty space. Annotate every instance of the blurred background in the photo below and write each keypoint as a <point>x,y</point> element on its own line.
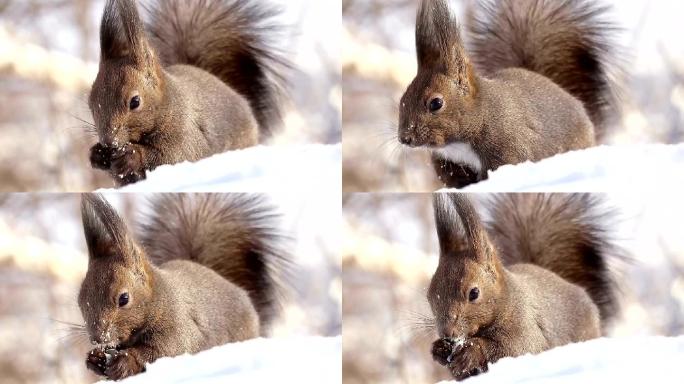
<point>378,63</point>
<point>49,51</point>
<point>390,252</point>
<point>43,259</point>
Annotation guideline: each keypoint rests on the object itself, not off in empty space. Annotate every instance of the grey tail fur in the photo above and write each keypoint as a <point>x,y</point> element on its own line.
<point>567,41</point>
<point>564,233</point>
<point>233,234</point>
<point>229,39</point>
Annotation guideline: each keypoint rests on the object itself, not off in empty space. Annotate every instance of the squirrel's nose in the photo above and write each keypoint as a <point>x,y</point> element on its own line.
<point>407,139</point>
<point>450,331</point>
<point>112,138</point>
<point>108,140</point>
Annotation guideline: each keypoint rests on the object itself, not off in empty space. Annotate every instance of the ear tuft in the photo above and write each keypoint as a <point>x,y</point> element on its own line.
<point>105,232</point>
<point>113,44</point>
<point>446,222</point>
<point>459,227</point>
<point>438,42</point>
<point>122,32</point>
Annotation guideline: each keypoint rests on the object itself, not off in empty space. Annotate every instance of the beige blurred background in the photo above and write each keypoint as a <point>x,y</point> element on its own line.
<point>43,259</point>
<point>391,250</point>
<point>378,63</point>
<point>49,52</point>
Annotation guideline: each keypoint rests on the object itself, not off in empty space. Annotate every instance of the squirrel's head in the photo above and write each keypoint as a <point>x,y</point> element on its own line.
<point>434,108</point>
<point>129,86</point>
<point>116,293</point>
<point>466,288</point>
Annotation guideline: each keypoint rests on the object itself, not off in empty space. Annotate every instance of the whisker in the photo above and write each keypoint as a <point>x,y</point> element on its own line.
<point>82,120</point>
<point>419,325</point>
<point>78,325</point>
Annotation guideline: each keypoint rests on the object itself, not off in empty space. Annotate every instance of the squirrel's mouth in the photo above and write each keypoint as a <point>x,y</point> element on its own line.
<point>455,345</point>
<point>137,336</point>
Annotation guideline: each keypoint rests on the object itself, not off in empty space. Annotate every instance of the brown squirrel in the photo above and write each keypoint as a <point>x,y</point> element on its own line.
<point>535,277</point>
<point>537,81</point>
<point>200,79</point>
<point>206,270</point>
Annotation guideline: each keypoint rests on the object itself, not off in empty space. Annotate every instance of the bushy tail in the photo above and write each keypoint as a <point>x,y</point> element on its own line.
<point>564,233</point>
<point>229,39</point>
<point>568,41</point>
<point>233,234</point>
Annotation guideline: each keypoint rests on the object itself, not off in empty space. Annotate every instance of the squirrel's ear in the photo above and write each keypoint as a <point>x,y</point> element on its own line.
<point>474,230</point>
<point>122,32</point>
<point>448,227</point>
<point>105,232</point>
<point>113,44</point>
<point>459,227</point>
<point>134,30</point>
<point>438,42</point>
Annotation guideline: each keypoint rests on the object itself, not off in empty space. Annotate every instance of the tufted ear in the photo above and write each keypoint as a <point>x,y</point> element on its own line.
<point>439,46</point>
<point>106,234</point>
<point>122,33</point>
<point>459,228</point>
<point>447,224</point>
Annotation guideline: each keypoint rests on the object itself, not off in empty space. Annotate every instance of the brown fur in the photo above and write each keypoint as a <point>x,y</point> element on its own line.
<point>508,107</point>
<point>205,78</point>
<point>204,274</point>
<point>540,268</point>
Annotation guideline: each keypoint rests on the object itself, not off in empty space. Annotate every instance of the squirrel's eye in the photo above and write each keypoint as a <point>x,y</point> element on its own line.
<point>436,104</point>
<point>135,102</point>
<point>474,294</point>
<point>123,299</point>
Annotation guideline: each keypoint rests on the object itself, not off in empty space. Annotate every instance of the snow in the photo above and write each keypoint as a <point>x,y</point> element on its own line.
<point>256,169</point>
<point>290,360</point>
<point>650,167</point>
<point>654,359</point>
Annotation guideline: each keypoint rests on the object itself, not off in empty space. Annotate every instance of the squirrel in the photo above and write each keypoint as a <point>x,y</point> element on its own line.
<point>204,270</point>
<point>538,80</point>
<point>534,277</point>
<point>198,79</point>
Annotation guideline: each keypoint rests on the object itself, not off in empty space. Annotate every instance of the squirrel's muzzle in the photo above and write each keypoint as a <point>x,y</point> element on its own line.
<point>114,137</point>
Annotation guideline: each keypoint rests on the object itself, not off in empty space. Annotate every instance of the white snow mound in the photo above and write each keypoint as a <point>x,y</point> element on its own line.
<point>597,169</point>
<point>256,169</point>
<point>645,359</point>
<point>282,360</point>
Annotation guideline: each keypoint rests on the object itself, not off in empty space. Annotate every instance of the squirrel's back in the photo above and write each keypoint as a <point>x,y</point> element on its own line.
<point>233,234</point>
<point>567,41</point>
<point>230,40</point>
<point>563,233</point>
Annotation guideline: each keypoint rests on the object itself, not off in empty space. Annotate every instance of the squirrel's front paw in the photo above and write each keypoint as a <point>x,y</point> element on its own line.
<point>122,365</point>
<point>127,166</point>
<point>101,156</point>
<point>468,360</point>
<point>96,361</point>
<point>442,350</point>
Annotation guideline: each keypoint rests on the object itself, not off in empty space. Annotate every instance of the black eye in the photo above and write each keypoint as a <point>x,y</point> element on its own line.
<point>474,294</point>
<point>436,104</point>
<point>123,299</point>
<point>135,102</point>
